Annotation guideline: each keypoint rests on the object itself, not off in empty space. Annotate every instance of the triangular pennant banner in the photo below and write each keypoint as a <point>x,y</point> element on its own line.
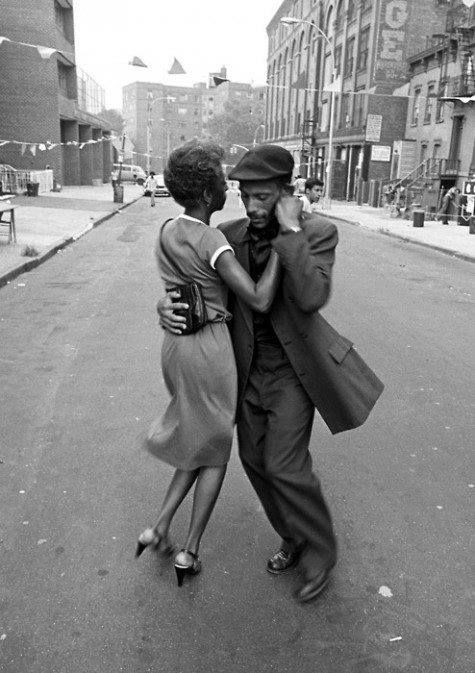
<point>4,39</point>
<point>177,68</point>
<point>219,80</point>
<point>23,148</point>
<point>42,147</point>
<point>137,62</point>
<point>4,142</point>
<point>33,150</point>
<point>45,52</point>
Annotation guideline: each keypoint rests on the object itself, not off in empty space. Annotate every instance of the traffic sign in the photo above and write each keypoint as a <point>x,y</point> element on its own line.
<point>469,187</point>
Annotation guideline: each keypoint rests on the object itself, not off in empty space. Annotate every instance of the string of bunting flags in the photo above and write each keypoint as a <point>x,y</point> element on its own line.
<point>48,145</point>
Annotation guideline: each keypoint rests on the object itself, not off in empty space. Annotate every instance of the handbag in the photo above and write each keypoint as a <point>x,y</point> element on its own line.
<point>190,293</point>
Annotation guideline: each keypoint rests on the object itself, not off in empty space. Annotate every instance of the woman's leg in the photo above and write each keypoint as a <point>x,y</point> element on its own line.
<point>208,486</point>
<point>180,484</point>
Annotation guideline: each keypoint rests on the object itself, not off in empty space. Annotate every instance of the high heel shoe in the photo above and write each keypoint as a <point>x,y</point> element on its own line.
<point>183,568</point>
<point>152,538</point>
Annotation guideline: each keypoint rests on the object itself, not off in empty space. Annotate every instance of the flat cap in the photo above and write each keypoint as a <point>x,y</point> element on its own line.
<point>264,162</point>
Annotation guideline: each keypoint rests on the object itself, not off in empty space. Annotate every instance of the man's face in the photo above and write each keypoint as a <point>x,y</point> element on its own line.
<point>260,198</point>
<point>314,194</point>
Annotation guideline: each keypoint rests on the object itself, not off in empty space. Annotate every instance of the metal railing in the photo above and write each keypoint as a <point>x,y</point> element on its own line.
<point>13,181</point>
<point>463,85</point>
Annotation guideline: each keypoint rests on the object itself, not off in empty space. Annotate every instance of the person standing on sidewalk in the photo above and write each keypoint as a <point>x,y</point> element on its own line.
<point>313,193</point>
<point>289,361</point>
<point>448,204</point>
<point>151,185</point>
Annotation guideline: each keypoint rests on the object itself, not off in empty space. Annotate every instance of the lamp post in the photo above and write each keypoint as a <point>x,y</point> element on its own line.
<point>254,142</point>
<point>150,103</point>
<point>291,21</point>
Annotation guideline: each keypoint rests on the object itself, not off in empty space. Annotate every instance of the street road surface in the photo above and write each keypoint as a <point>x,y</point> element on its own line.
<point>81,381</point>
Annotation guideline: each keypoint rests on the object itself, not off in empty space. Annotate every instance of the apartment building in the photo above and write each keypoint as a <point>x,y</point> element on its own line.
<point>45,100</point>
<point>158,118</point>
<point>362,59</point>
<point>440,124</point>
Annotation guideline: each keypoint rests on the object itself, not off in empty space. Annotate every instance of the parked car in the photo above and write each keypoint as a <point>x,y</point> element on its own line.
<point>161,189</point>
<point>129,173</point>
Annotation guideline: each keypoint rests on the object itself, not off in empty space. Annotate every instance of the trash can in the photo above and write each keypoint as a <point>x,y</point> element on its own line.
<point>471,225</point>
<point>118,193</point>
<point>418,218</point>
<point>32,188</point>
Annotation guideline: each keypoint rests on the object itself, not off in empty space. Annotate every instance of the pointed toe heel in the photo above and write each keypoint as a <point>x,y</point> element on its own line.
<point>183,567</point>
<point>159,543</point>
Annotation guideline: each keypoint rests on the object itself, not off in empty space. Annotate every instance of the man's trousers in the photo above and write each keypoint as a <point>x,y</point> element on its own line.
<point>274,427</point>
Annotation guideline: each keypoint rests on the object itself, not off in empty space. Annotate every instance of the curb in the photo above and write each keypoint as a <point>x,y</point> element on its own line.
<point>406,239</point>
<point>33,263</point>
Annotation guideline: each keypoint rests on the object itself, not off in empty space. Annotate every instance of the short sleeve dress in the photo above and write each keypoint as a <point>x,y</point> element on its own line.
<point>199,369</point>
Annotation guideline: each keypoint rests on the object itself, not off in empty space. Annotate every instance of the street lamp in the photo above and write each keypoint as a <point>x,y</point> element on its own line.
<point>254,142</point>
<point>150,103</point>
<point>291,21</point>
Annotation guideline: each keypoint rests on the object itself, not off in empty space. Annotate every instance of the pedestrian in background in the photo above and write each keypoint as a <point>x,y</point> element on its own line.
<point>195,433</point>
<point>151,185</point>
<point>289,361</point>
<point>449,203</point>
<point>313,193</point>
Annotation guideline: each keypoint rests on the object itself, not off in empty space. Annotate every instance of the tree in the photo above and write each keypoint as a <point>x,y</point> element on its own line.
<point>239,123</point>
<point>114,118</point>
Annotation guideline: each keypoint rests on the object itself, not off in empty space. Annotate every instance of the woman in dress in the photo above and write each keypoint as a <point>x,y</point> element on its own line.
<point>195,432</point>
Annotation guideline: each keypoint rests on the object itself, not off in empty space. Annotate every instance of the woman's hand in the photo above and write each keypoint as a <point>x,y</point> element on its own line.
<point>166,308</point>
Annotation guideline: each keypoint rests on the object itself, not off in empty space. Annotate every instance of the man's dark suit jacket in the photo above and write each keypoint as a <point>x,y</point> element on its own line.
<point>340,384</point>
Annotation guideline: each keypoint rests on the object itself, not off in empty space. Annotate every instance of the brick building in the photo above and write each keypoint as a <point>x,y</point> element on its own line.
<point>369,41</point>
<point>438,147</point>
<point>159,117</point>
<point>44,98</point>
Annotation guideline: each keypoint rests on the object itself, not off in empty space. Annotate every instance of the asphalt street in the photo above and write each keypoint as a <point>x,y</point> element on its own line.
<point>81,381</point>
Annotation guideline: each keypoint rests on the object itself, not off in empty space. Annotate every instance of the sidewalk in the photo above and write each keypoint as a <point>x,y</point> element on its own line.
<point>49,222</point>
<point>451,239</point>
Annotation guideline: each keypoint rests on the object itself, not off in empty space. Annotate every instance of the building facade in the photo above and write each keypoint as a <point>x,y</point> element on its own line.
<point>359,63</point>
<point>440,122</point>
<point>45,100</point>
<point>160,117</point>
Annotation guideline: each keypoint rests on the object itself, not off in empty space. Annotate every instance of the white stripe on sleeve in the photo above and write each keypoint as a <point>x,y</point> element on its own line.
<point>217,253</point>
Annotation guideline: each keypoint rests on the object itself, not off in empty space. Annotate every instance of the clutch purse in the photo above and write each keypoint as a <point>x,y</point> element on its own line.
<point>195,315</point>
<point>191,294</point>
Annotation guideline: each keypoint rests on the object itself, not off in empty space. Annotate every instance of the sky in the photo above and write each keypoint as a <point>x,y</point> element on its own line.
<point>202,34</point>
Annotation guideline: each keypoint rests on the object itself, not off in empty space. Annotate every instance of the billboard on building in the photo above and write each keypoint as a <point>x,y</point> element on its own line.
<point>390,63</point>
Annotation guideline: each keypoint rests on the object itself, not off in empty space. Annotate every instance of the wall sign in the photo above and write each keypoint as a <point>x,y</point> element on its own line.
<point>391,52</point>
<point>373,128</point>
<point>380,153</point>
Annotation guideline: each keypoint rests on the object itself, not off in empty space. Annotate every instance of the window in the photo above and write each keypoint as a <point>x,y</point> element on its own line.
<point>351,10</point>
<point>423,154</point>
<point>182,110</point>
<point>439,111</point>
<point>415,107</point>
<point>345,110</point>
<point>429,104</point>
<point>349,58</point>
<point>359,110</point>
<point>363,49</point>
<point>59,16</point>
<point>338,61</point>
<point>366,5</point>
<point>436,151</point>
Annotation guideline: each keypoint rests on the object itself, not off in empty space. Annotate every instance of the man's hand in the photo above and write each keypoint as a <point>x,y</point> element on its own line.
<point>288,211</point>
<point>165,309</point>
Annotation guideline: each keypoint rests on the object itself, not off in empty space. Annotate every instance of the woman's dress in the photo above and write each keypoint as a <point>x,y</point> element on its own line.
<point>199,369</point>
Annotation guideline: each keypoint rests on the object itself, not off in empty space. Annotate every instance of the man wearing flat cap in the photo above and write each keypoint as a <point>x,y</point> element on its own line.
<point>289,361</point>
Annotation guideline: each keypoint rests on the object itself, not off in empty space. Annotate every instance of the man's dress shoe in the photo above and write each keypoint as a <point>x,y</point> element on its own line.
<point>282,561</point>
<point>314,587</point>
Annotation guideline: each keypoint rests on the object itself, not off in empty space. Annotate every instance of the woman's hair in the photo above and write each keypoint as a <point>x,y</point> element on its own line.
<point>191,169</point>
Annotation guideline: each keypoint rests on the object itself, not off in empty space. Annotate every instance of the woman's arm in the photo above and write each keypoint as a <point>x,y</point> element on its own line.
<point>258,295</point>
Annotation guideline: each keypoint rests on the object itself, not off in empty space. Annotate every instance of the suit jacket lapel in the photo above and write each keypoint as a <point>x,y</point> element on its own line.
<point>241,250</point>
